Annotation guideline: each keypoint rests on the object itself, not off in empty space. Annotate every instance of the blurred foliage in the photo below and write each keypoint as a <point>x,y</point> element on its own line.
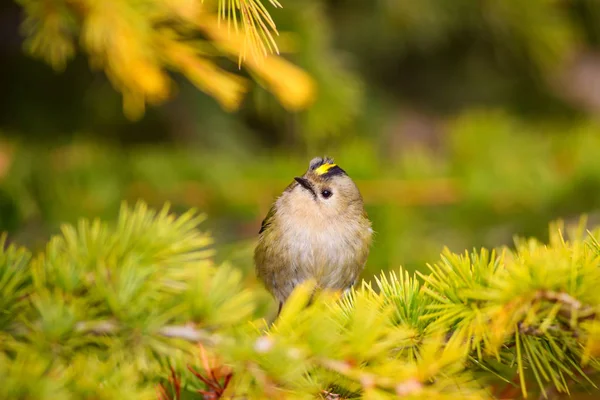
<point>483,189</point>
<point>134,42</point>
<point>463,122</point>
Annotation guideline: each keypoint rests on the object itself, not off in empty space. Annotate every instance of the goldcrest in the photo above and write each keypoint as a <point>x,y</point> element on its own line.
<point>317,229</point>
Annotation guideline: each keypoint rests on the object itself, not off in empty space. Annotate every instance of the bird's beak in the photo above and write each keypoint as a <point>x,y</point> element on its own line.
<point>305,183</point>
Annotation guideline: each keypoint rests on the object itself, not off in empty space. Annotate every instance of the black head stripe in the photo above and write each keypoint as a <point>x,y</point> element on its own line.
<point>333,171</point>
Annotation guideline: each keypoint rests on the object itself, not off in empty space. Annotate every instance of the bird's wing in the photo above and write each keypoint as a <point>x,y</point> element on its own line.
<point>267,221</point>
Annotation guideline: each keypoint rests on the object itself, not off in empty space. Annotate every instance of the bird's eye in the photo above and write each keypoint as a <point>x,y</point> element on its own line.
<point>326,194</point>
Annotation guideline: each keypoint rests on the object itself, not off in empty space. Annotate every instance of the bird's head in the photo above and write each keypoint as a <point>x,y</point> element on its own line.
<point>326,188</point>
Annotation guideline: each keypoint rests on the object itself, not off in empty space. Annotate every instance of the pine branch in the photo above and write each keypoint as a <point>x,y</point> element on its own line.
<point>137,46</point>
<point>572,308</point>
<point>408,387</point>
<point>184,332</point>
<point>188,333</point>
<point>478,316</point>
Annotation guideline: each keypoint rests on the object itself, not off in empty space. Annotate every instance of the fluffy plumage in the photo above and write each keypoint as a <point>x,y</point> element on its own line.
<point>317,229</point>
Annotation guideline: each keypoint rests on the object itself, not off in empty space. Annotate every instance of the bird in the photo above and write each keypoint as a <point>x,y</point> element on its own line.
<point>317,229</point>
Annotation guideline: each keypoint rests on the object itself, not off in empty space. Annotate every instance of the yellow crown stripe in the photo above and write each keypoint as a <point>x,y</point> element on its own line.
<point>324,168</point>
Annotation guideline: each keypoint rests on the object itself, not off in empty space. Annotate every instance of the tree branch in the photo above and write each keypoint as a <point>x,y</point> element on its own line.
<point>188,333</point>
<point>570,304</point>
<point>408,387</point>
<point>184,332</point>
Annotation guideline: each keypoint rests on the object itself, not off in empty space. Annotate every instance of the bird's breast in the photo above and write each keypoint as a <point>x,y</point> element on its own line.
<point>331,253</point>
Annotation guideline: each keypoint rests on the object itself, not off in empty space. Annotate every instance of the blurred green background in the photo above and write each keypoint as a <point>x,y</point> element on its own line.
<point>464,123</point>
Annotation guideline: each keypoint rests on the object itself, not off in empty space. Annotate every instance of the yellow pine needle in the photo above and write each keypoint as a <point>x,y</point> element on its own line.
<point>257,25</point>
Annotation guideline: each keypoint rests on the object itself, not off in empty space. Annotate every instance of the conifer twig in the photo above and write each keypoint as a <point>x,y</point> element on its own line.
<point>570,304</point>
<point>559,297</point>
<point>188,333</point>
<point>402,388</point>
<point>96,328</point>
<point>535,331</point>
<point>185,332</point>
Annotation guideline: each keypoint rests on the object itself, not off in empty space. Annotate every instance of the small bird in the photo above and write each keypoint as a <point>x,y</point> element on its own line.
<point>317,229</point>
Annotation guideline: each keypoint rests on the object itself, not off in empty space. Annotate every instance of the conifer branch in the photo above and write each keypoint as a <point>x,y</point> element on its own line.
<point>139,45</point>
<point>571,306</point>
<point>184,332</point>
<point>478,317</point>
<point>406,387</point>
<point>189,333</point>
<point>97,328</point>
